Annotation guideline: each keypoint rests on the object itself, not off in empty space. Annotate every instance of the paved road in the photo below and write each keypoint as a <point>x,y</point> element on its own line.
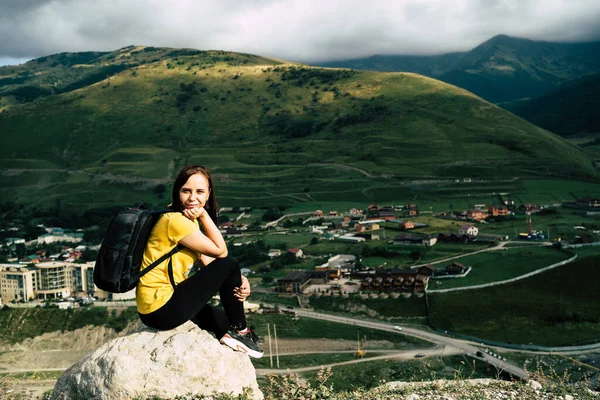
<point>462,346</point>
<point>274,223</point>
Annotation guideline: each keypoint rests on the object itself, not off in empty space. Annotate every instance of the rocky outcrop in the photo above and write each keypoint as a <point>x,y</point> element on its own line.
<point>478,389</point>
<point>165,364</point>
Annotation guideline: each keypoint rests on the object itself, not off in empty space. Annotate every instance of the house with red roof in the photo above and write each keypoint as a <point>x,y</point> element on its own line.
<point>297,252</point>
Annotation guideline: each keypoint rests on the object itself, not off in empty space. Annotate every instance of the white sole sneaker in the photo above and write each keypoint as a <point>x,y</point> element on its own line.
<point>240,346</point>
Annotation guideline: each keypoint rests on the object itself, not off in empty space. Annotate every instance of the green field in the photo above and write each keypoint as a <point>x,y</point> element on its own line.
<point>503,264</point>
<point>410,310</point>
<point>307,328</point>
<point>558,307</point>
<point>307,360</point>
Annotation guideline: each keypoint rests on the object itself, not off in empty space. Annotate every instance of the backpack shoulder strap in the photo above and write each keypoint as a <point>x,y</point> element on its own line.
<point>160,260</point>
<point>164,256</point>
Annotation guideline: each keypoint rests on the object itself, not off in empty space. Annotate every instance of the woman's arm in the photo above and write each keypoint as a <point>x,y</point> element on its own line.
<point>211,243</point>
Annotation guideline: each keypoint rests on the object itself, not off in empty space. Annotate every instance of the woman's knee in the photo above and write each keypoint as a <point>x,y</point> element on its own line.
<point>231,263</point>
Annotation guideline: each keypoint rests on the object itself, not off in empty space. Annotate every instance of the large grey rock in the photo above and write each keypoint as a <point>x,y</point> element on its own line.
<point>165,364</point>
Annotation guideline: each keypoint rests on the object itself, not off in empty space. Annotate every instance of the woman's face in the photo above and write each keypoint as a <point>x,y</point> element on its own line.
<point>194,193</point>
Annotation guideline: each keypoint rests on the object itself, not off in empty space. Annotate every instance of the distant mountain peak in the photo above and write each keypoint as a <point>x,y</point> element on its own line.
<point>503,40</point>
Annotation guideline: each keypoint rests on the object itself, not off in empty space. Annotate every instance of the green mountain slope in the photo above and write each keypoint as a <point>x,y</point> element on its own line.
<point>274,133</point>
<point>571,108</point>
<point>499,70</point>
<point>65,72</point>
<point>432,66</point>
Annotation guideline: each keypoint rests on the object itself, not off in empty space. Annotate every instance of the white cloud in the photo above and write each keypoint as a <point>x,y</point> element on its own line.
<point>298,30</point>
<point>12,61</point>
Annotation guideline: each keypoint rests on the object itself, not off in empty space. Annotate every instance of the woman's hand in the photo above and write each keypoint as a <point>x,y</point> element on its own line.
<point>193,213</point>
<point>243,291</point>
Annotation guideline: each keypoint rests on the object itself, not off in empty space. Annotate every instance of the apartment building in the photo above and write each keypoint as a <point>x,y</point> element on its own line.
<point>17,282</point>
<point>45,280</point>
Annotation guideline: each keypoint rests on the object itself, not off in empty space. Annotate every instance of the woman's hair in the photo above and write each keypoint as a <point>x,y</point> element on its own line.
<point>211,205</point>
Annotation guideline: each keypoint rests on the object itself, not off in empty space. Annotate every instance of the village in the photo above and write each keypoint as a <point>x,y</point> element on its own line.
<point>66,272</point>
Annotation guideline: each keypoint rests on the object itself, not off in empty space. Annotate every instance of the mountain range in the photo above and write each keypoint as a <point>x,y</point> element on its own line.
<point>571,108</point>
<point>502,69</point>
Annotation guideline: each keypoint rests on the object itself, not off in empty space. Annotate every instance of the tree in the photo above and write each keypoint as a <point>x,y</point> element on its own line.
<point>271,215</point>
<point>31,232</point>
<point>20,250</point>
<point>93,235</point>
<point>288,258</point>
<point>89,255</point>
<point>358,263</point>
<point>314,240</point>
<point>415,255</point>
<point>276,265</point>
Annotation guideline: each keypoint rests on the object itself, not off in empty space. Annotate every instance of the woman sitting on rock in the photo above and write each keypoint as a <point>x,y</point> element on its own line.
<point>166,300</point>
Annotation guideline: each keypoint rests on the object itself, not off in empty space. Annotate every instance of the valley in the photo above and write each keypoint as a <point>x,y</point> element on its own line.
<point>467,227</point>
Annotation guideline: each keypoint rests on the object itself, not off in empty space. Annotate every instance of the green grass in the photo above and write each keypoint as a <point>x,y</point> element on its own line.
<point>290,239</point>
<point>32,375</point>
<point>307,360</point>
<point>524,243</point>
<point>499,265</point>
<point>577,368</point>
<point>307,328</point>
<point>23,323</point>
<point>371,374</point>
<point>390,308</point>
<point>555,308</point>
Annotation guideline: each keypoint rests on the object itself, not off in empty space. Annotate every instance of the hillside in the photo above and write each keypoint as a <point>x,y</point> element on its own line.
<point>569,109</point>
<point>499,70</point>
<point>431,66</point>
<point>274,133</point>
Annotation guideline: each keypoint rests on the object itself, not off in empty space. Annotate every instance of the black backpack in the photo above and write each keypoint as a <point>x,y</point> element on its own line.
<point>117,268</point>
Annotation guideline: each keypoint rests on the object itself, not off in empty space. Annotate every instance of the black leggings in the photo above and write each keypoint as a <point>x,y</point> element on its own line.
<point>191,297</point>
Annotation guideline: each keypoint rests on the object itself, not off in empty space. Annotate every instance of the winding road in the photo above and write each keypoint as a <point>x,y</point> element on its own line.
<point>450,346</point>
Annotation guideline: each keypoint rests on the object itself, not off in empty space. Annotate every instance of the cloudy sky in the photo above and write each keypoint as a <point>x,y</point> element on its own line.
<point>295,30</point>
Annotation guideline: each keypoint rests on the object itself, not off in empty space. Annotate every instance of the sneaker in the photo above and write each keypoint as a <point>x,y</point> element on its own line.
<point>246,343</point>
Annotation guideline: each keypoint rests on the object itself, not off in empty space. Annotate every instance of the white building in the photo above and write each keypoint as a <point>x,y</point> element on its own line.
<point>341,259</point>
<point>350,238</point>
<point>124,296</point>
<point>59,237</point>
<point>337,262</point>
<point>13,240</point>
<point>274,253</point>
<point>469,230</point>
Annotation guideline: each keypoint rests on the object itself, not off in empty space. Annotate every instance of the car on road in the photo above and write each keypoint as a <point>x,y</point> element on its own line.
<point>397,328</point>
<point>479,354</point>
<point>419,355</point>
